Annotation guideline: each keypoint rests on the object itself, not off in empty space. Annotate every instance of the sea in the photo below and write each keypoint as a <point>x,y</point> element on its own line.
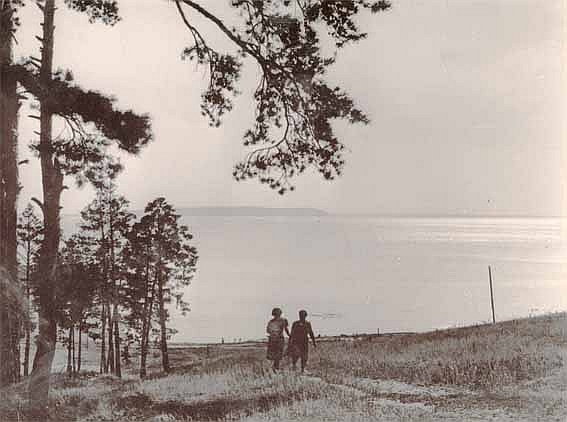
<point>366,274</point>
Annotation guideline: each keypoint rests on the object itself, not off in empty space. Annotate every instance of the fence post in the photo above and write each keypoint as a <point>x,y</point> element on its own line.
<point>491,294</point>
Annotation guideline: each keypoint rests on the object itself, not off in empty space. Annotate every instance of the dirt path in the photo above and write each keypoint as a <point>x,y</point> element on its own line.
<point>541,400</point>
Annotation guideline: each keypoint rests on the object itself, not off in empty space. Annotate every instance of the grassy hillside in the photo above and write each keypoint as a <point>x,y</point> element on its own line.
<point>511,371</point>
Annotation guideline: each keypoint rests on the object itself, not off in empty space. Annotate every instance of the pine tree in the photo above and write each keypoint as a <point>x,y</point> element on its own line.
<point>76,155</point>
<point>30,232</point>
<point>78,281</point>
<point>9,105</point>
<point>163,263</point>
<point>105,222</point>
<point>295,106</point>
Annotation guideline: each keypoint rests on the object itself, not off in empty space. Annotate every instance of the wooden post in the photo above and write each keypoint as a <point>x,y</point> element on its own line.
<point>491,294</point>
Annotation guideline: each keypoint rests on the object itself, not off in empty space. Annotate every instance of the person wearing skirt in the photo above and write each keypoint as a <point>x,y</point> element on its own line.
<point>275,329</point>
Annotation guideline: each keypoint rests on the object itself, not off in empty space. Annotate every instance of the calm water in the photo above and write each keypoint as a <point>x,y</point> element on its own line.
<point>359,274</point>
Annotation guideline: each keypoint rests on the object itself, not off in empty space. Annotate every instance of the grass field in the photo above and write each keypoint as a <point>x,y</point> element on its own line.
<point>511,371</point>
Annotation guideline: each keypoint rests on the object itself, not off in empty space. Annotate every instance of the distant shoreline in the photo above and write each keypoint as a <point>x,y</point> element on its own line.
<point>253,211</point>
<point>247,211</point>
<point>438,216</point>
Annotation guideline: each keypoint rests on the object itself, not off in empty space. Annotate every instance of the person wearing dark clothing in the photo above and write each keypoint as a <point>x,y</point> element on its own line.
<point>275,329</point>
<point>298,347</point>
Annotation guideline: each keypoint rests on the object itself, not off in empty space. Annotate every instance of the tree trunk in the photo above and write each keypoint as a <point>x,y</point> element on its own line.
<point>163,329</point>
<point>117,366</point>
<point>146,337</point>
<point>110,328</point>
<point>80,347</point>
<point>27,350</point>
<point>69,339</point>
<point>52,181</point>
<point>103,363</point>
<point>126,355</point>
<point>73,343</point>
<point>9,320</point>
<point>28,316</point>
<point>146,317</point>
<point>42,362</point>
<point>143,352</point>
<point>9,333</point>
<point>144,346</point>
<point>17,352</point>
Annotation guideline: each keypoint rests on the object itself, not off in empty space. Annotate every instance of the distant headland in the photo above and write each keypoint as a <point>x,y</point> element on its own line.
<point>251,212</point>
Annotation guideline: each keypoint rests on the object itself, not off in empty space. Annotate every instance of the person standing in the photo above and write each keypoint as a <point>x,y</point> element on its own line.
<point>298,347</point>
<point>275,329</point>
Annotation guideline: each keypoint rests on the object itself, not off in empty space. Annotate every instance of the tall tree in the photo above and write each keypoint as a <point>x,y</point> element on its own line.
<point>175,263</point>
<point>106,222</point>
<point>30,232</point>
<point>76,155</point>
<point>164,262</point>
<point>9,105</point>
<point>52,181</point>
<point>140,289</point>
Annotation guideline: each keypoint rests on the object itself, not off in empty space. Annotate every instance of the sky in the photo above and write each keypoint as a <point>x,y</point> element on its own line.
<point>466,100</point>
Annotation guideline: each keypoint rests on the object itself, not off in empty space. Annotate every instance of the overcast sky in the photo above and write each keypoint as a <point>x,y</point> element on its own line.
<point>466,99</point>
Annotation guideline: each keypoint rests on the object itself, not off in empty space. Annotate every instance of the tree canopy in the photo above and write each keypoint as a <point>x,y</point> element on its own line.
<point>294,105</point>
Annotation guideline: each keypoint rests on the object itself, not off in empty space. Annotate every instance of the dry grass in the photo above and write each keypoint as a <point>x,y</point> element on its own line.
<point>215,395</point>
<point>515,366</point>
<point>482,356</point>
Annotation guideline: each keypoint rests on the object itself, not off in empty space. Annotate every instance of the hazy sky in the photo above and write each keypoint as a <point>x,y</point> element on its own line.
<point>466,99</point>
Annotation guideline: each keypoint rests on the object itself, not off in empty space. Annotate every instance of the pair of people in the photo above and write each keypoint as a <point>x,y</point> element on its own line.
<point>298,347</point>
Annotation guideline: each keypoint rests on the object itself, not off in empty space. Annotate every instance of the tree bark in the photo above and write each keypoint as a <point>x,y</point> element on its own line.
<point>110,328</point>
<point>69,336</point>
<point>28,297</point>
<point>73,345</point>
<point>163,329</point>
<point>146,335</point>
<point>79,352</point>
<point>145,342</point>
<point>27,350</point>
<point>146,317</point>
<point>103,363</point>
<point>52,181</point>
<point>117,366</point>
<point>9,320</point>
<point>42,362</point>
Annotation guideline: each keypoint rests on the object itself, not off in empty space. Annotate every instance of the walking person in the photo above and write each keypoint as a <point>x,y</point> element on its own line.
<point>275,329</point>
<point>298,347</point>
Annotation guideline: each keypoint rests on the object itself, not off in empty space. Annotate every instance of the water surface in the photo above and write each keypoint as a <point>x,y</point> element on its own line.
<point>363,274</point>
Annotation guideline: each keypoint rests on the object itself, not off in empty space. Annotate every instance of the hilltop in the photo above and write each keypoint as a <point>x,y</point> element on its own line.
<point>513,371</point>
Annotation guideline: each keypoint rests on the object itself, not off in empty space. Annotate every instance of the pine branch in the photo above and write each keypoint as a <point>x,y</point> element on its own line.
<point>105,11</point>
<point>129,130</point>
<point>294,105</point>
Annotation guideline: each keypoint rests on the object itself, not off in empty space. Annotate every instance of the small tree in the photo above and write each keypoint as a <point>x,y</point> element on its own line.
<point>163,263</point>
<point>30,233</point>
<point>106,222</point>
<point>78,281</point>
